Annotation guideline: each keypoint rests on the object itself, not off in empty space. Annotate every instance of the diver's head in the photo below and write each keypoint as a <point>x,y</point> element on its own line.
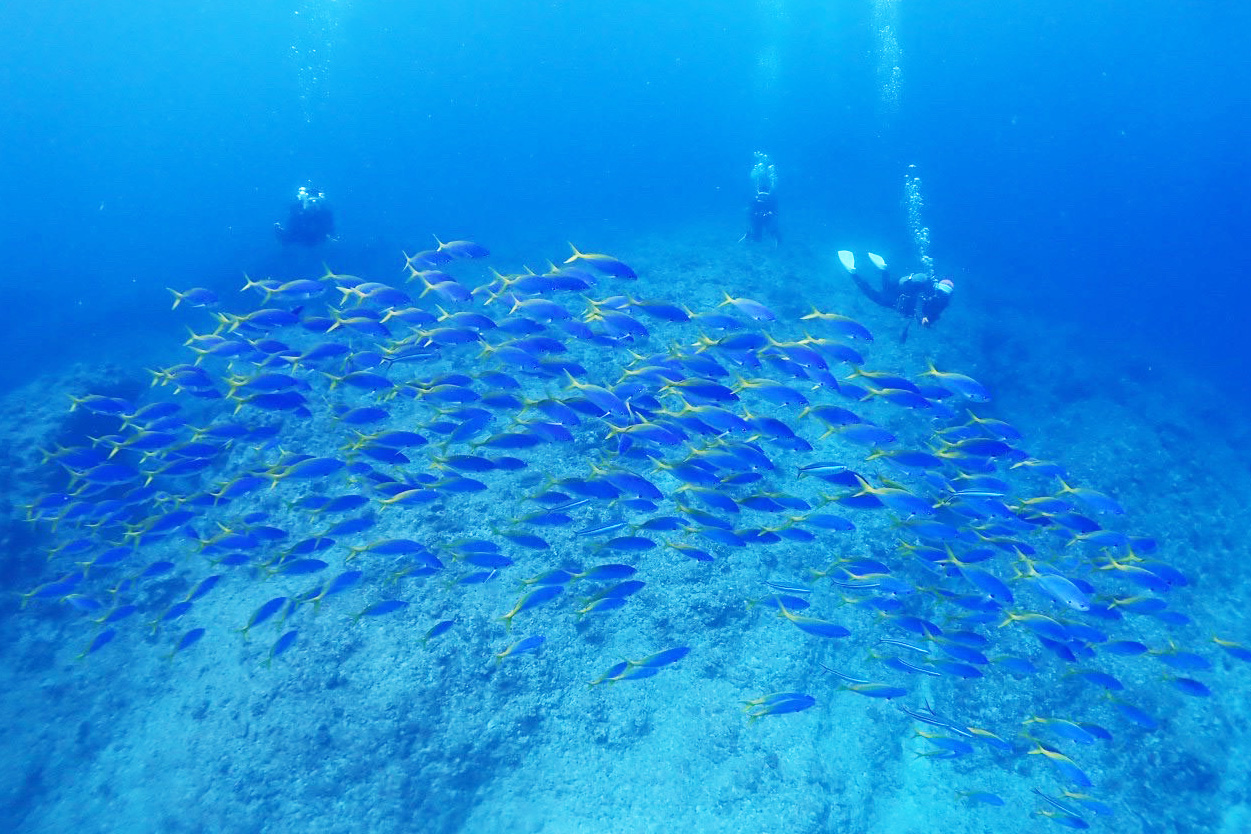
<point>308,196</point>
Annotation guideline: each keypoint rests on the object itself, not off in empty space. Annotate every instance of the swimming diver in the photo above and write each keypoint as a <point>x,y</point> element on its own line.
<point>920,297</point>
<point>762,211</point>
<point>310,220</point>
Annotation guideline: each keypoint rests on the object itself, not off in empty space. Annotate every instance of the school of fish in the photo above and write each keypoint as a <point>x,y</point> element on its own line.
<point>582,433</point>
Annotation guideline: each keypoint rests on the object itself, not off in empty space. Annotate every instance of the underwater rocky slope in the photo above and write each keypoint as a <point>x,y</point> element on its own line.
<point>783,574</point>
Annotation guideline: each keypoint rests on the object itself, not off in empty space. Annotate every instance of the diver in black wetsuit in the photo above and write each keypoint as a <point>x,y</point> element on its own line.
<point>917,296</point>
<point>762,211</point>
<point>310,220</point>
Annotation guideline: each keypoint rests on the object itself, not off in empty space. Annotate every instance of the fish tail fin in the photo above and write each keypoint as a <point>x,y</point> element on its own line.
<point>178,297</point>
<point>226,320</point>
<point>491,295</point>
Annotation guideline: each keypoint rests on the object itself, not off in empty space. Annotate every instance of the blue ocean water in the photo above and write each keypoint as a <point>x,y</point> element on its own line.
<point>1076,172</point>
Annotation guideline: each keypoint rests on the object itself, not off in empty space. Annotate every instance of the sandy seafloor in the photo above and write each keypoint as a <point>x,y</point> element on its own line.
<point>362,726</point>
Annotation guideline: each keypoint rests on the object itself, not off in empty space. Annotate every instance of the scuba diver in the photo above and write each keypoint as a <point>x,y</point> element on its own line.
<point>920,296</point>
<point>762,211</point>
<point>310,220</point>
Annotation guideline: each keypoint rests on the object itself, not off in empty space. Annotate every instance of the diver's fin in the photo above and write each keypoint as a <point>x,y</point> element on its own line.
<point>878,261</point>
<point>848,261</point>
